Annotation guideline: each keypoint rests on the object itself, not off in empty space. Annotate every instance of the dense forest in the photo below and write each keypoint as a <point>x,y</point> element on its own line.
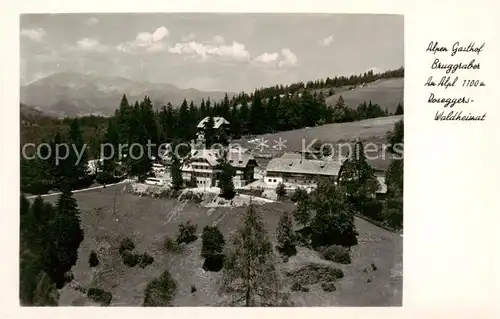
<point>262,111</point>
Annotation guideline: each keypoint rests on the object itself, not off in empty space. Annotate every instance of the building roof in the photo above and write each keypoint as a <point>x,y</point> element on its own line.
<point>218,121</point>
<point>297,165</point>
<point>235,159</point>
<point>209,155</point>
<point>240,159</point>
<point>291,155</point>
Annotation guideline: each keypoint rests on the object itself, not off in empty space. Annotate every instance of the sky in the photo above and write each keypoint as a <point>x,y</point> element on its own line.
<point>207,51</point>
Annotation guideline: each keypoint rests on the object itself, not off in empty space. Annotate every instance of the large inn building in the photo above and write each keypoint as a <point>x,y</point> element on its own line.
<point>201,167</point>
<point>292,169</point>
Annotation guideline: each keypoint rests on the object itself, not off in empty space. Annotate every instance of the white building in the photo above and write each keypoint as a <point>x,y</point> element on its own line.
<point>201,167</point>
<point>244,165</point>
<point>293,170</point>
<point>93,166</point>
<point>220,123</point>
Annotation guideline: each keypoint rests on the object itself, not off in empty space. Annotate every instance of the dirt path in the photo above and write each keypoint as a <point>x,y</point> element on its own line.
<point>81,190</point>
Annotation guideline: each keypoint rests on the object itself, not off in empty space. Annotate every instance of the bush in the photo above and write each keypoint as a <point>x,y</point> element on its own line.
<point>68,276</point>
<point>315,273</point>
<point>328,287</point>
<point>193,289</point>
<point>338,254</point>
<point>373,209</point>
<point>213,241</point>
<point>298,287</point>
<point>126,245</point>
<point>191,184</point>
<point>187,233</point>
<point>304,236</point>
<point>99,295</point>
<point>93,260</point>
<point>192,197</point>
<point>160,291</point>
<point>394,218</point>
<point>172,245</point>
<point>146,260</point>
<point>396,203</point>
<point>213,263</point>
<point>130,259</point>
<point>298,195</point>
<point>281,191</point>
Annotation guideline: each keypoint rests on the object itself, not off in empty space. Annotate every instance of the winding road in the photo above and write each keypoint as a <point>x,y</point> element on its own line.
<point>81,190</point>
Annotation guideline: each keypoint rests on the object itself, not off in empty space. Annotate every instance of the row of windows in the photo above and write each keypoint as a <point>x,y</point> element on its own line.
<point>304,181</point>
<point>198,174</point>
<point>200,167</point>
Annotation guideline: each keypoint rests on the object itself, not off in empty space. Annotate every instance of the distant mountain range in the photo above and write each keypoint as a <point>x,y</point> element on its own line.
<point>71,94</point>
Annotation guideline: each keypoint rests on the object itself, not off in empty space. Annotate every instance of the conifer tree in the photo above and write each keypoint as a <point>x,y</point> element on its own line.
<point>286,235</point>
<point>249,276</point>
<point>244,118</point>
<point>271,115</point>
<point>395,138</point>
<point>46,293</point>
<point>208,107</point>
<point>183,121</point>
<point>79,166</point>
<point>399,110</point>
<point>148,120</point>
<point>225,179</point>
<point>125,118</point>
<point>61,249</point>
<point>169,123</point>
<point>176,173</point>
<point>358,177</point>
<point>257,114</point>
<point>160,291</point>
<point>394,178</point>
<point>209,132</point>
<point>108,168</point>
<point>225,107</point>
<point>235,122</point>
<point>193,120</point>
<point>394,174</point>
<point>203,109</point>
<point>302,213</point>
<point>333,220</point>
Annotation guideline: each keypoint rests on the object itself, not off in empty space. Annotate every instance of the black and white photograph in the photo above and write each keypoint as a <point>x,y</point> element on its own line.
<point>211,159</point>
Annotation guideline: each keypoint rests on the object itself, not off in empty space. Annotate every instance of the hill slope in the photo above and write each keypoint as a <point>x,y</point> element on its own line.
<point>105,225</point>
<point>338,134</point>
<point>385,92</point>
<point>73,94</point>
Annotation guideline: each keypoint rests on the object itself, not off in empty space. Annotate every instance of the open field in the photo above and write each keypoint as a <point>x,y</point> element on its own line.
<point>371,130</point>
<point>147,221</point>
<point>387,93</point>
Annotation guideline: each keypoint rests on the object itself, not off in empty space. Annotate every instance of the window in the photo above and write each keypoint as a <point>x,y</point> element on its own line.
<point>274,180</point>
